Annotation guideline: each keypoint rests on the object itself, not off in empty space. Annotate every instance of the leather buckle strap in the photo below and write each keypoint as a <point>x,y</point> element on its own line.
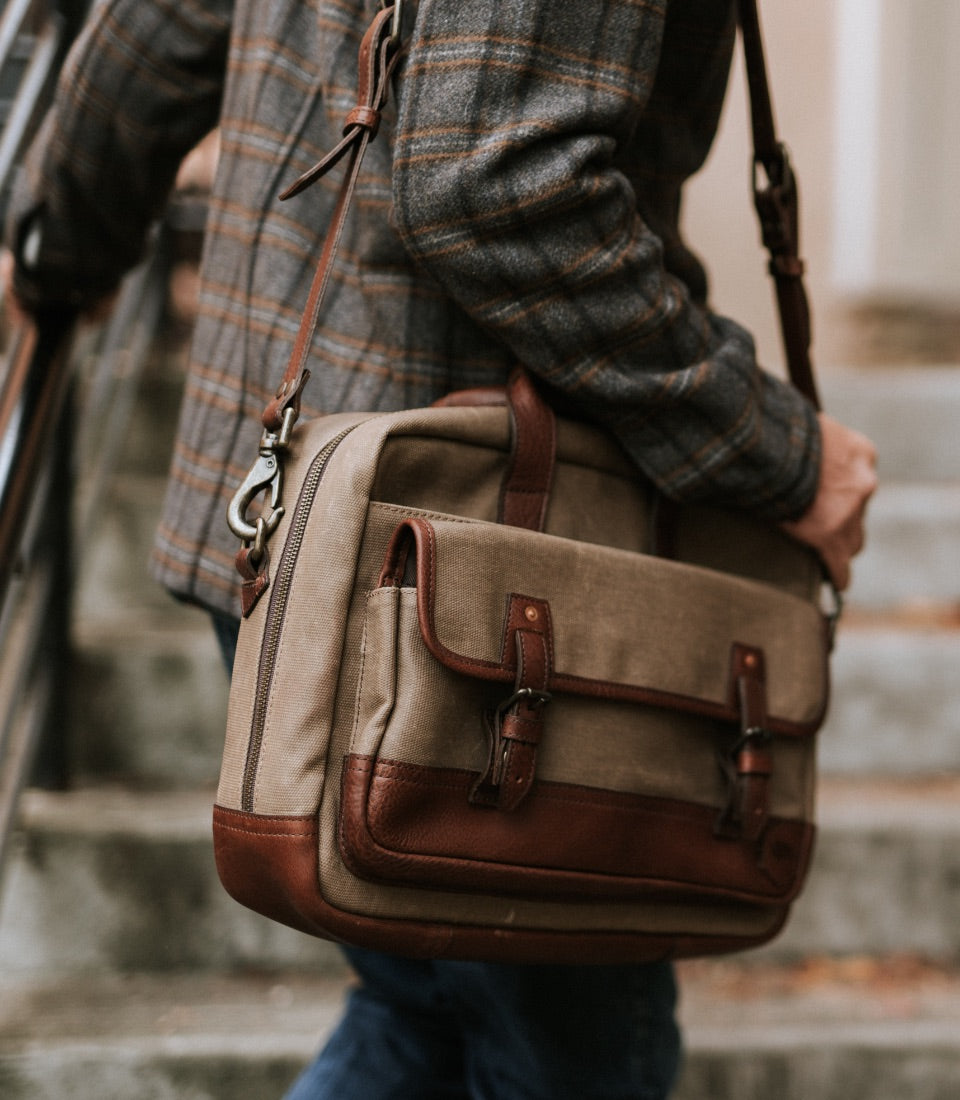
<point>377,58</point>
<point>777,205</point>
<point>748,765</point>
<point>379,51</point>
<point>515,727</point>
<point>525,492</point>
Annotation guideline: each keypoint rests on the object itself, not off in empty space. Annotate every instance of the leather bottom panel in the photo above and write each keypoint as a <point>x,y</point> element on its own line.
<point>269,864</point>
<point>414,825</point>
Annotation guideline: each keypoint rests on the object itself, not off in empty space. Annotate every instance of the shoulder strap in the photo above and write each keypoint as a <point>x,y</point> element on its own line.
<point>775,196</point>
<point>776,199</point>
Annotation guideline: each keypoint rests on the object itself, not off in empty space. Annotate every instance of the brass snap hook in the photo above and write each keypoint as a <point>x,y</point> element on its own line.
<point>265,474</point>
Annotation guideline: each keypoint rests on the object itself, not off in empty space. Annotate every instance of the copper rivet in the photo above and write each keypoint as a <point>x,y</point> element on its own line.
<point>531,613</point>
<point>750,660</point>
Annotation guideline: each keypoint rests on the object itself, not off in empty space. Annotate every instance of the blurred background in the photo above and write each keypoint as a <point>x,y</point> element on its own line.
<point>125,971</point>
<point>864,93</point>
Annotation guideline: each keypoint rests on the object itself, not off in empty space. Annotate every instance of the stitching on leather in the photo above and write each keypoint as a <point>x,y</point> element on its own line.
<point>257,832</point>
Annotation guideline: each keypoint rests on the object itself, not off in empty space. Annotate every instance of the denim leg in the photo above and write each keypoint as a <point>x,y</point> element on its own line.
<point>227,629</point>
<point>558,1032</point>
<point>438,1030</point>
<point>398,1039</point>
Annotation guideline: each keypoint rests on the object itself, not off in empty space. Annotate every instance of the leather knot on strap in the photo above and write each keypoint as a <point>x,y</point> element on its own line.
<point>367,117</point>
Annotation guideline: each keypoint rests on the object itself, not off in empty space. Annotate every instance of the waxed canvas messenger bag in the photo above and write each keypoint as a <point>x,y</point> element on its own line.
<point>494,698</point>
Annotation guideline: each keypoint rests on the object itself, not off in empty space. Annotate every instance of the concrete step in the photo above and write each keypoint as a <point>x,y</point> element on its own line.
<point>913,531</point>
<point>856,1029</point>
<point>107,879</point>
<point>148,700</point>
<point>914,521</point>
<point>895,699</point>
<point>886,872</point>
<point>149,688</point>
<point>114,580</point>
<point>910,555</point>
<point>869,1029</point>
<point>911,413</point>
<point>175,1037</point>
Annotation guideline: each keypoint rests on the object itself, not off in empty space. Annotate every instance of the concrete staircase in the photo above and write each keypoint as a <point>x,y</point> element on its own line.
<point>125,971</point>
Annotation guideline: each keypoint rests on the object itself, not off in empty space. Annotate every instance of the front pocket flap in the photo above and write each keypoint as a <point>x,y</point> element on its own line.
<point>623,626</point>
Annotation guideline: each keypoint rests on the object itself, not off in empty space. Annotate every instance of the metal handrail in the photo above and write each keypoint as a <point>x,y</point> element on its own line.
<point>67,392</point>
<point>42,368</point>
<point>67,428</point>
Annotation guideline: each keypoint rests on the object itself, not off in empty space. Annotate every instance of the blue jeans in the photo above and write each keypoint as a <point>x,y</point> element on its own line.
<point>441,1030</point>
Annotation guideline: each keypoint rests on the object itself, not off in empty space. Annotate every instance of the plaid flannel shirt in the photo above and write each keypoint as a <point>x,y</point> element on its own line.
<point>520,204</point>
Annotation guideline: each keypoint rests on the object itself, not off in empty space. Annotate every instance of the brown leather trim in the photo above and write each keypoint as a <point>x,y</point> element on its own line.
<point>408,824</point>
<point>516,727</point>
<point>525,491</point>
<point>376,60</point>
<point>749,766</point>
<point>269,864</point>
<point>256,577</point>
<point>417,533</point>
<point>362,115</point>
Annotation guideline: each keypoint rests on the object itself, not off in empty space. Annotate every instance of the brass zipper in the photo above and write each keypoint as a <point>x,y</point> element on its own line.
<point>277,610</point>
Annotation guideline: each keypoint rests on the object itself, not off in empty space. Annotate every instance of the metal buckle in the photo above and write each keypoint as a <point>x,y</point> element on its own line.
<point>778,171</point>
<point>397,6</point>
<point>775,198</point>
<point>833,612</point>
<point>752,734</point>
<point>528,695</point>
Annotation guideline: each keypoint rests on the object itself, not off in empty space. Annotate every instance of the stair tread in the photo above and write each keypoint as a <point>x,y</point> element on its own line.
<point>844,802</point>
<point>226,1012</point>
<point>143,894</point>
<point>730,1002</point>
<point>888,802</point>
<point>819,1000</point>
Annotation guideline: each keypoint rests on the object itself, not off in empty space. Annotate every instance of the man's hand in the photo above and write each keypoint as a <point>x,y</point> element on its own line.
<point>17,312</point>
<point>11,303</point>
<point>833,524</point>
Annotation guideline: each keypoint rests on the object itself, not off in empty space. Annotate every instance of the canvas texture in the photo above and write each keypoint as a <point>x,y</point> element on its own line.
<point>370,674</point>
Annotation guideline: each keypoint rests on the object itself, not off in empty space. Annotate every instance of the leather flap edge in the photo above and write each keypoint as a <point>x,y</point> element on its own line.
<point>623,626</point>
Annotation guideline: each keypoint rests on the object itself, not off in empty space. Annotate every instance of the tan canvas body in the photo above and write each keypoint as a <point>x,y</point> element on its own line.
<point>351,747</point>
<point>493,698</point>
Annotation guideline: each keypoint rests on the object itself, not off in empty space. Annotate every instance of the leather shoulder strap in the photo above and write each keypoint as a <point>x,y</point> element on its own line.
<point>777,202</point>
<point>775,197</point>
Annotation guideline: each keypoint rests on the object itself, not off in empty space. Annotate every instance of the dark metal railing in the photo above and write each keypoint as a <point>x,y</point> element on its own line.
<point>66,392</point>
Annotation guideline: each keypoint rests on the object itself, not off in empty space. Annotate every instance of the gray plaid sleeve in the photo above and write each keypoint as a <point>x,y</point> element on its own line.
<point>140,87</point>
<point>524,147</point>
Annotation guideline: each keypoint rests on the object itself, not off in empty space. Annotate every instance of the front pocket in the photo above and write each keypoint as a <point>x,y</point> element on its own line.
<point>627,792</point>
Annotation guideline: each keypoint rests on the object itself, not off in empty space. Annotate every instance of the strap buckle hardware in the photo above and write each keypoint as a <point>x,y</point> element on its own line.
<point>397,6</point>
<point>266,473</point>
<point>775,199</point>
<point>531,696</point>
